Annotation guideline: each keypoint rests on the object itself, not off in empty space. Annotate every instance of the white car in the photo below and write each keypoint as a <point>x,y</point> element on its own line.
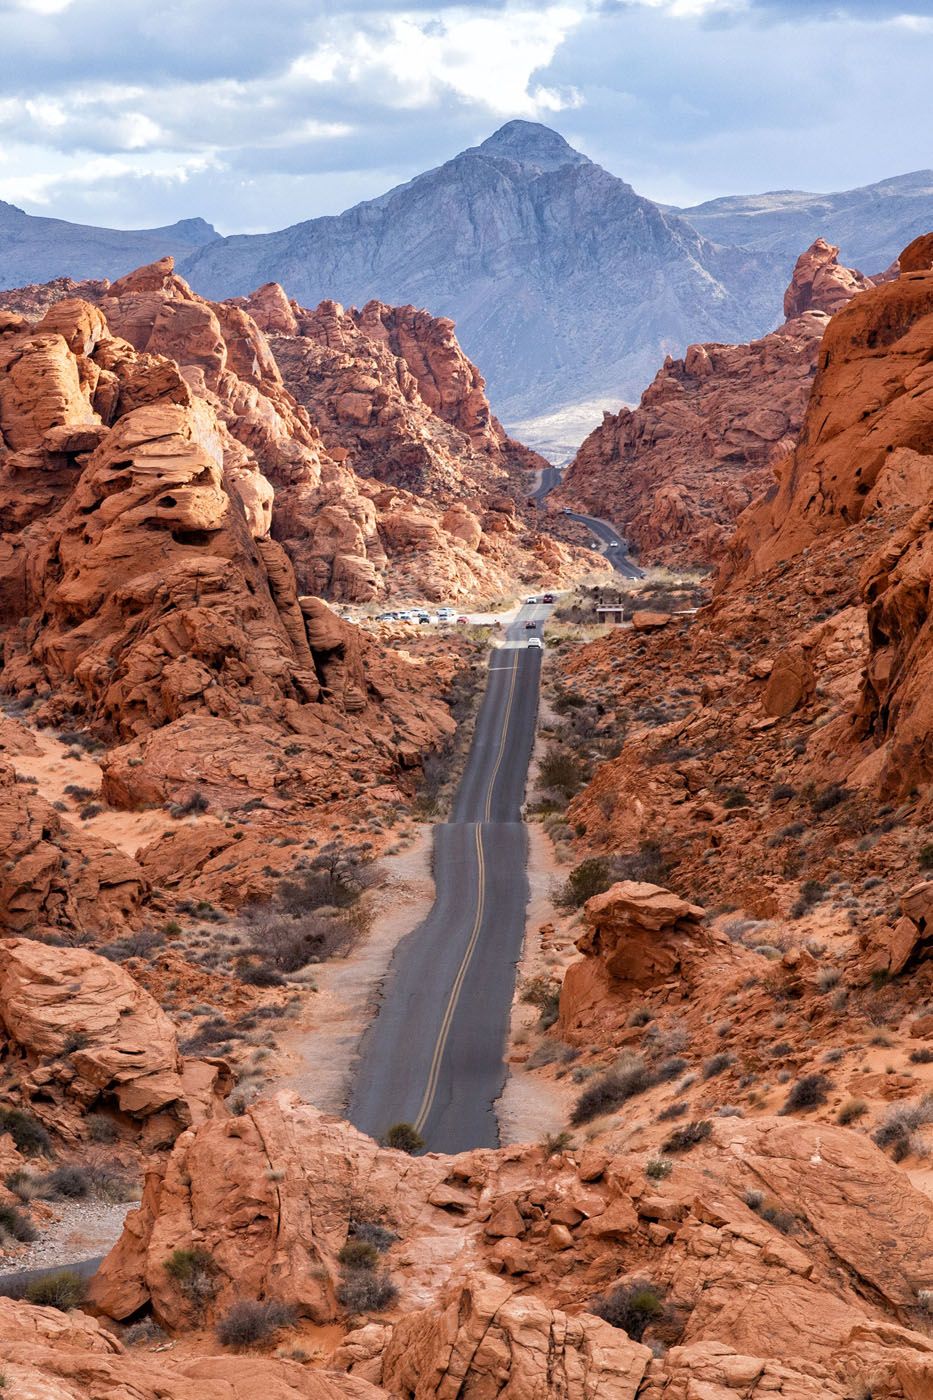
<point>536,643</point>
<point>613,544</point>
<point>531,600</point>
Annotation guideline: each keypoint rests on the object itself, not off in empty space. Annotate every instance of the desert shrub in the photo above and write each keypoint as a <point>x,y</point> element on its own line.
<point>26,1131</point>
<point>717,1064</point>
<point>556,1142</point>
<point>358,1254</point>
<point>923,1056</point>
<point>100,1128</point>
<point>808,1092</point>
<point>648,864</point>
<point>63,1290</point>
<point>592,876</point>
<point>736,797</point>
<point>782,791</point>
<point>610,1091</point>
<point>829,797</point>
<point>689,1136</point>
<point>371,1232</point>
<point>134,945</point>
<point>561,771</point>
<point>775,1214</point>
<point>543,992</point>
<point>404,1138</point>
<point>670,1069</point>
<point>632,1307</point>
<point>925,856</point>
<point>827,978</point>
<point>899,1124</point>
<point>334,878</point>
<point>194,1273</point>
<point>261,976</point>
<point>70,1183</point>
<point>289,944</point>
<point>197,802</point>
<point>364,1290</point>
<point>658,1168</point>
<point>139,1333</point>
<point>248,1322</point>
<point>105,1181</point>
<point>851,1111</point>
<point>811,892</point>
<point>16,1225</point>
<point>22,1184</point>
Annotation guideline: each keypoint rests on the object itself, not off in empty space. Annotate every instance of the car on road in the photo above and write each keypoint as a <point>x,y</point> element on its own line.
<point>613,544</point>
<point>547,597</point>
<point>535,642</point>
<point>462,621</point>
<point>530,624</point>
<point>531,600</point>
<point>566,511</point>
<point>444,614</point>
<point>424,617</point>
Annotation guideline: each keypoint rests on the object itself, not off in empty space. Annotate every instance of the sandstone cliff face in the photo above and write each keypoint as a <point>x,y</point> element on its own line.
<point>677,471</point>
<point>361,484</point>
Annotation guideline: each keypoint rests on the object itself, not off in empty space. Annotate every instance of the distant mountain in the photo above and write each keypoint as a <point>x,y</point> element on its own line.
<point>36,249</point>
<point>565,285</point>
<point>871,225</point>
<point>568,289</point>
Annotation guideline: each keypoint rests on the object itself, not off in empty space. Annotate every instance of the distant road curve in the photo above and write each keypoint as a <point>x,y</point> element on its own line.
<point>617,555</point>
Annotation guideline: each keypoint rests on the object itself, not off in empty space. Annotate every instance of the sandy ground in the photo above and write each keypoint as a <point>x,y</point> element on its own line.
<point>84,1230</point>
<point>55,766</point>
<point>325,1043</point>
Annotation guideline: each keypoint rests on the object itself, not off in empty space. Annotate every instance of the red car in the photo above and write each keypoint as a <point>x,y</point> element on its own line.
<point>547,598</point>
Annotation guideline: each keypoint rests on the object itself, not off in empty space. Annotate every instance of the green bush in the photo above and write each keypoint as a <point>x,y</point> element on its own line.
<point>194,1272</point>
<point>689,1136</point>
<point>632,1307</point>
<point>364,1290</point>
<point>62,1290</point>
<point>404,1138</point>
<point>592,876</point>
<point>358,1254</point>
<point>610,1091</point>
<point>246,1323</point>
<point>26,1131</point>
<point>16,1225</point>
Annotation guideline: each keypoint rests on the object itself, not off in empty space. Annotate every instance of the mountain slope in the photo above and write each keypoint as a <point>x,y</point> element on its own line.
<point>36,249</point>
<point>870,224</point>
<point>564,283</point>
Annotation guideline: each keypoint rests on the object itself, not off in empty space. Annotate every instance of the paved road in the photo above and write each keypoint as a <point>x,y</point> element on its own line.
<point>617,556</point>
<point>434,1054</point>
<point>18,1278</point>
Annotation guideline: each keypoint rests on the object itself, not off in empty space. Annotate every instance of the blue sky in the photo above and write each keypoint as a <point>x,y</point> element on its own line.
<point>256,115</point>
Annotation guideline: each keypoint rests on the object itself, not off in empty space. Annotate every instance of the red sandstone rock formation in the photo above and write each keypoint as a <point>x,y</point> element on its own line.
<point>677,471</point>
<point>493,1298</point>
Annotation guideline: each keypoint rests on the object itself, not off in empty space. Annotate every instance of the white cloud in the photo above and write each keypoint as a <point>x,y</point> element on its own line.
<point>484,58</point>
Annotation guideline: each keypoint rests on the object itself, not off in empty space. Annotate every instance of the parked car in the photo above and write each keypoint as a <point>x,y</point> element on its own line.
<point>547,598</point>
<point>462,621</point>
<point>424,617</point>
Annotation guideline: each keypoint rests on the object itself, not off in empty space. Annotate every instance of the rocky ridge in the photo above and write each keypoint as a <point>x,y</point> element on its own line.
<point>676,472</point>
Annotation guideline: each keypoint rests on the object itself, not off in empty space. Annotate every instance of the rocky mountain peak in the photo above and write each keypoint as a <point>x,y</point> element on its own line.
<point>531,145</point>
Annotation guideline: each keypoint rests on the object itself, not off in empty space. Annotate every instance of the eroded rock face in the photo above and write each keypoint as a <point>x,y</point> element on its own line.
<point>54,878</point>
<point>865,453</point>
<point>49,1355</point>
<point>676,472</point>
<point>81,1032</point>
<point>493,1299</point>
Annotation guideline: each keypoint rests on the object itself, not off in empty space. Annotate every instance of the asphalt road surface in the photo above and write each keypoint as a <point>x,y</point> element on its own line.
<point>433,1056</point>
<point>615,547</point>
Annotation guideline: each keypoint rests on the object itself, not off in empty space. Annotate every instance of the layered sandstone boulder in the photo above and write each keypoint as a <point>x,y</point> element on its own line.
<point>676,472</point>
<point>80,1032</point>
<point>55,878</point>
<point>49,1355</point>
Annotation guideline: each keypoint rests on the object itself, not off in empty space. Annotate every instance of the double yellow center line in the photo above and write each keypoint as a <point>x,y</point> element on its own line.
<point>430,1089</point>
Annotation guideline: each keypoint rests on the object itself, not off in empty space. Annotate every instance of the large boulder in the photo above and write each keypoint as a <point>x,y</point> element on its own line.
<point>81,1033</point>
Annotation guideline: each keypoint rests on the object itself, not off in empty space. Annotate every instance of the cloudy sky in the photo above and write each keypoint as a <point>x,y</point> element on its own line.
<point>258,113</point>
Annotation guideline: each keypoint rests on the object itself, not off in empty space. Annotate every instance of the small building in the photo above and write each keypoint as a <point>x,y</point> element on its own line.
<point>614,612</point>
